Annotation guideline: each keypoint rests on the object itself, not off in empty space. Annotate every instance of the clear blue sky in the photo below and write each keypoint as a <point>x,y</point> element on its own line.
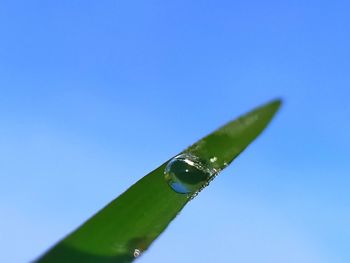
<point>95,94</point>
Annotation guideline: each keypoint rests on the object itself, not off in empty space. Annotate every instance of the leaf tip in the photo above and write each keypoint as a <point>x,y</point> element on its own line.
<point>276,103</point>
<point>273,106</point>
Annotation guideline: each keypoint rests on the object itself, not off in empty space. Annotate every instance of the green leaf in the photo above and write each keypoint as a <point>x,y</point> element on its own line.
<point>129,224</point>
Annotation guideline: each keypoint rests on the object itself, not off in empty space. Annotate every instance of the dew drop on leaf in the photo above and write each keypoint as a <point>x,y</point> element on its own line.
<point>137,252</point>
<point>187,174</point>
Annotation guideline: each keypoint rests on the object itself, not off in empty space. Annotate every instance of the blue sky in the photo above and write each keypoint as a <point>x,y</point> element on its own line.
<point>95,94</point>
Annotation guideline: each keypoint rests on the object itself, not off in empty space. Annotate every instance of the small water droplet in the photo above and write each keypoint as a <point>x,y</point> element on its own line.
<point>137,252</point>
<point>187,174</point>
<point>213,159</point>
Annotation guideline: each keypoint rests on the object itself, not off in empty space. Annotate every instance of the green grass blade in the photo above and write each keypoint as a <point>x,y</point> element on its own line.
<point>131,222</point>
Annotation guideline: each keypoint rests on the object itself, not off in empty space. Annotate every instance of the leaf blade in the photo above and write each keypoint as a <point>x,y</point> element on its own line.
<point>138,216</point>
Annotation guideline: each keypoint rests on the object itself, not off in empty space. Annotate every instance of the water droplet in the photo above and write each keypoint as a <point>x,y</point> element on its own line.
<point>213,159</point>
<point>137,252</point>
<point>187,174</point>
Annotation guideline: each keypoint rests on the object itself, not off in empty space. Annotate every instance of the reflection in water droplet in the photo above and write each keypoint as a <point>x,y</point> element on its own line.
<point>187,174</point>
<point>137,252</point>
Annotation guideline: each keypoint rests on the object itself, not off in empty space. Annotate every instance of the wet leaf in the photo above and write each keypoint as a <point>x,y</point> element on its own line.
<point>128,225</point>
